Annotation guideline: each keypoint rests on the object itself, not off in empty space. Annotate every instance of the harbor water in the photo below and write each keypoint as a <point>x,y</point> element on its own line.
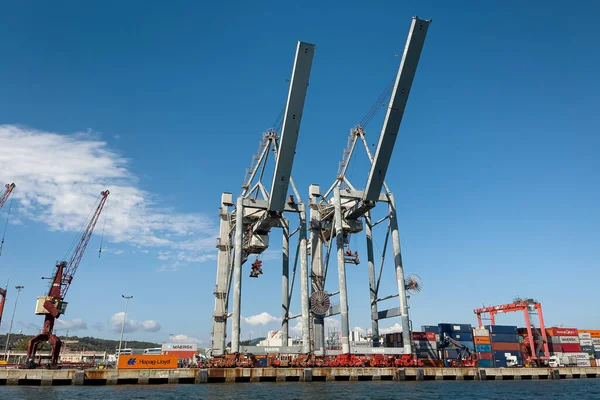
<point>580,389</point>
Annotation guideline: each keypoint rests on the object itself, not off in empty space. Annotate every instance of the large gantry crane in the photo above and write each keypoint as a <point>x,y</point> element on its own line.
<point>5,195</point>
<point>53,305</point>
<point>536,340</point>
<point>245,229</point>
<point>339,212</point>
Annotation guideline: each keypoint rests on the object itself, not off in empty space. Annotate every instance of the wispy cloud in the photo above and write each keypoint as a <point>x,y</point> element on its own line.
<point>394,328</point>
<point>180,338</point>
<point>131,325</point>
<point>76,324</point>
<point>59,177</point>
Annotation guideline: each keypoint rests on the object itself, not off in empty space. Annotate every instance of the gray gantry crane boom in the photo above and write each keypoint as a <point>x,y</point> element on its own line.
<point>5,195</point>
<point>245,230</point>
<point>335,217</point>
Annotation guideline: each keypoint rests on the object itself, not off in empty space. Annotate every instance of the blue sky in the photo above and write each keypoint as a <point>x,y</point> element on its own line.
<point>495,170</point>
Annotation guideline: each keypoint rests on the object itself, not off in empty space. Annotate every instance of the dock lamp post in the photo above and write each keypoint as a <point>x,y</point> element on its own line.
<point>19,288</point>
<point>127,298</point>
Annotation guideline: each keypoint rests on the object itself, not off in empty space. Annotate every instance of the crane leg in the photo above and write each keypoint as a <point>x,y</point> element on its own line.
<point>56,345</point>
<point>32,348</point>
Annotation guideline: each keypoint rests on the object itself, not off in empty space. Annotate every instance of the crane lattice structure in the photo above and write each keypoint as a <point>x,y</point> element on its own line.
<point>341,210</point>
<point>245,225</point>
<point>8,188</point>
<point>53,305</point>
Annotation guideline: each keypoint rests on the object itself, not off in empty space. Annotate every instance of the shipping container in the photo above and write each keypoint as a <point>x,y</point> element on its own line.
<point>261,361</point>
<point>423,336</point>
<point>484,356</point>
<point>468,344</point>
<point>593,363</point>
<point>446,327</point>
<point>481,340</point>
<point>555,348</point>
<point>562,332</point>
<point>596,341</point>
<point>483,348</point>
<point>497,337</point>
<point>571,348</point>
<point>425,345</point>
<point>451,354</point>
<point>584,335</point>
<point>584,363</point>
<point>506,346</point>
<point>594,333</point>
<point>457,335</point>
<point>500,356</point>
<point>481,331</point>
<point>486,363</point>
<point>430,328</point>
<point>587,349</point>
<point>147,361</point>
<point>586,342</point>
<point>568,339</point>
<point>429,354</point>
<point>502,329</point>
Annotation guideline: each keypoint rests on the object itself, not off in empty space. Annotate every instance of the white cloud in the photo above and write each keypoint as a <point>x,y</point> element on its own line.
<point>359,329</point>
<point>394,328</point>
<point>331,325</point>
<point>116,321</point>
<point>72,325</point>
<point>99,326</point>
<point>59,178</point>
<point>263,318</point>
<point>180,338</point>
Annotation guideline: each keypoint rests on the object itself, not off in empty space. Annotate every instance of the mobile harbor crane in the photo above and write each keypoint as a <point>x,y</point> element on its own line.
<point>8,190</point>
<point>53,305</point>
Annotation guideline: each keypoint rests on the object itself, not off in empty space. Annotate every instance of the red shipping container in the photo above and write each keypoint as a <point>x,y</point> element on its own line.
<point>555,348</point>
<point>571,348</point>
<point>504,346</point>
<point>484,356</point>
<point>562,332</point>
<point>424,336</point>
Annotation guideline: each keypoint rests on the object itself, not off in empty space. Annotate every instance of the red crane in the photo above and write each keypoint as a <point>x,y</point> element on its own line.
<point>53,305</point>
<point>5,196</point>
<point>527,306</point>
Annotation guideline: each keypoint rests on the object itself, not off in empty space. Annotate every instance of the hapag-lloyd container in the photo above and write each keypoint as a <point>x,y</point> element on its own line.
<point>562,332</point>
<point>482,340</point>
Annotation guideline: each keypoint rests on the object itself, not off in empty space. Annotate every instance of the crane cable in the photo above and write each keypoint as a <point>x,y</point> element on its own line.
<point>378,104</point>
<point>77,238</point>
<point>6,224</point>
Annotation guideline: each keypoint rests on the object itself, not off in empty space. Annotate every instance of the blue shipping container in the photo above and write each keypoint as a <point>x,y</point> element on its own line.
<point>468,344</point>
<point>502,329</point>
<point>500,364</point>
<point>455,328</point>
<point>597,355</point>
<point>486,363</point>
<point>430,328</point>
<point>587,349</point>
<point>261,362</point>
<point>500,355</point>
<point>460,336</point>
<point>483,348</point>
<point>451,353</point>
<point>497,337</point>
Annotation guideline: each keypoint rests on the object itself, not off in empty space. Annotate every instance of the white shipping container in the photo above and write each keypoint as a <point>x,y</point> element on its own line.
<point>596,348</point>
<point>586,342</point>
<point>481,332</point>
<point>583,363</point>
<point>584,335</point>
<point>579,356</point>
<point>180,347</point>
<point>568,339</point>
<point>596,341</point>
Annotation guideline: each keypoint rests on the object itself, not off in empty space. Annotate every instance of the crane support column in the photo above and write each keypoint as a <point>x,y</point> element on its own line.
<point>339,234</point>
<point>219,330</point>
<point>237,276</point>
<point>400,277</point>
<point>305,310</point>
<point>285,287</point>
<point>316,260</point>
<point>291,125</point>
<point>393,118</point>
<point>372,284</point>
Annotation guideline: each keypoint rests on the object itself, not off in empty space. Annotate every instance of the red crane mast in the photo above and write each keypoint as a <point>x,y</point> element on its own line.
<point>527,306</point>
<point>5,196</point>
<point>53,305</point>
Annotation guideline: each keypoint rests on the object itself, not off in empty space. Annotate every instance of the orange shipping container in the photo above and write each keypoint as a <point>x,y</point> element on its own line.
<point>147,361</point>
<point>482,340</point>
<point>595,333</point>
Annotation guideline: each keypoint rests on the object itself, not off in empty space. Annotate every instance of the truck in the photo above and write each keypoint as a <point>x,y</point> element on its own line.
<point>560,360</point>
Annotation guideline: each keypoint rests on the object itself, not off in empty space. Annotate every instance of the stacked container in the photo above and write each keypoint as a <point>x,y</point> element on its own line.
<point>393,340</point>
<point>563,340</point>
<point>483,347</point>
<point>461,333</point>
<point>587,346</point>
<point>425,345</point>
<point>595,336</point>
<point>505,344</point>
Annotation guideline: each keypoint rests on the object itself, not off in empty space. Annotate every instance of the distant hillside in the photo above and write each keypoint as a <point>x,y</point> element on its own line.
<point>87,343</point>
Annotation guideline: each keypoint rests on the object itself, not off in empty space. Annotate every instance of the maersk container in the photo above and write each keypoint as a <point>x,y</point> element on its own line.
<point>502,329</point>
<point>455,328</point>
<point>497,337</point>
<point>486,363</point>
<point>583,363</point>
<point>568,339</point>
<point>486,348</point>
<point>586,342</point>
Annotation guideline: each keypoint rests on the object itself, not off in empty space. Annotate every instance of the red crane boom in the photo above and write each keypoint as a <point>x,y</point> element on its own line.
<point>6,194</point>
<point>53,305</point>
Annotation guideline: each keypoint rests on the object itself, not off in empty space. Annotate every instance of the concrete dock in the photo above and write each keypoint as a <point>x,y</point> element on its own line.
<point>43,377</point>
